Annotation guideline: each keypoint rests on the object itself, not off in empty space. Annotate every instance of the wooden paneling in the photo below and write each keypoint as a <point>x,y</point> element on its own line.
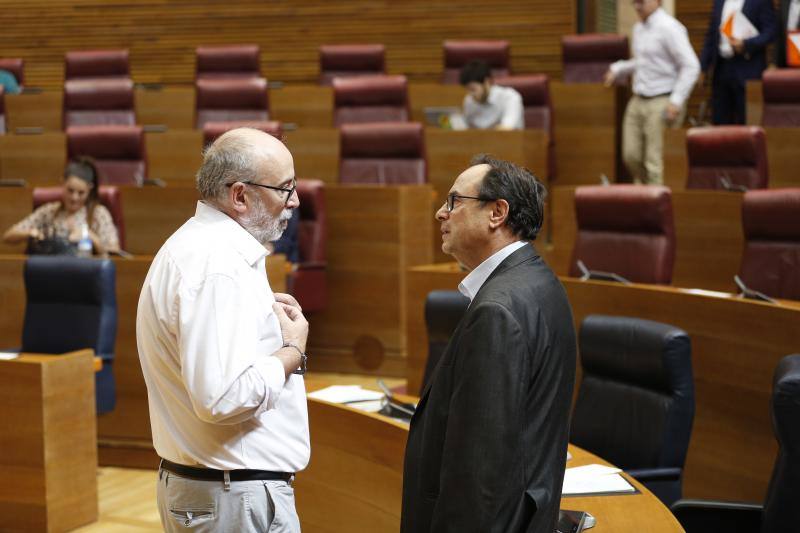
<point>163,34</point>
<point>736,344</point>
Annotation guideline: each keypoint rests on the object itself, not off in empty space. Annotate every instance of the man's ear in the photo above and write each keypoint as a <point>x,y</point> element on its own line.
<point>237,197</point>
<point>499,214</point>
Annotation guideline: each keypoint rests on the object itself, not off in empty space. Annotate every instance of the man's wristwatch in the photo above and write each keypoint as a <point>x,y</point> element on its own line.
<point>303,358</point>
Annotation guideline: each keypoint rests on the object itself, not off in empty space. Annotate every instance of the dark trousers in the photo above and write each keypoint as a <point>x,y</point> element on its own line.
<point>728,97</point>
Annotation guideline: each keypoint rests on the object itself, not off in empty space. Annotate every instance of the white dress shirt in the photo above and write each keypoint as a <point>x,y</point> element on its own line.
<point>503,108</point>
<point>470,285</point>
<point>793,18</point>
<point>205,330</point>
<point>663,59</point>
<point>728,8</point>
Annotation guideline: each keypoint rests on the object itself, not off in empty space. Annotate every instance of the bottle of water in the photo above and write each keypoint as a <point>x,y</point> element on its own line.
<point>85,243</point>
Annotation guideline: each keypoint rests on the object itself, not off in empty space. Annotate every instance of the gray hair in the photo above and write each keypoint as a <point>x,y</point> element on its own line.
<point>229,159</point>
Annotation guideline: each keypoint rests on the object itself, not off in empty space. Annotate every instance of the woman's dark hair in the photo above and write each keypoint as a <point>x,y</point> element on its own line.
<point>520,188</point>
<point>85,169</point>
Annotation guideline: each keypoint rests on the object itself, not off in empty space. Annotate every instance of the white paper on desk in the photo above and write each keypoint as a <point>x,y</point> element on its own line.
<point>345,394</point>
<point>7,356</point>
<point>740,27</point>
<point>593,479</point>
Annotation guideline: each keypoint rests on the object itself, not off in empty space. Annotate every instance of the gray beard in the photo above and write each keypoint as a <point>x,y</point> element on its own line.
<point>262,227</point>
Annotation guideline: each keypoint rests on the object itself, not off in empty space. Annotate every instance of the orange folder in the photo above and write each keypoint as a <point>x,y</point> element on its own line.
<point>793,48</point>
<point>727,28</point>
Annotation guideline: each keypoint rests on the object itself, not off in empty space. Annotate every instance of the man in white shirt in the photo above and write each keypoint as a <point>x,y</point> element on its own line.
<point>222,356</point>
<point>489,106</point>
<point>664,68</point>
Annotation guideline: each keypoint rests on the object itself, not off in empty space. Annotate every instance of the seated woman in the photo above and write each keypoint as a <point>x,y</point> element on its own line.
<point>65,219</point>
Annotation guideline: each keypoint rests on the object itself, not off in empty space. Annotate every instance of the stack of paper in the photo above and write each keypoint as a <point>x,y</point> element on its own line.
<point>7,356</point>
<point>594,479</point>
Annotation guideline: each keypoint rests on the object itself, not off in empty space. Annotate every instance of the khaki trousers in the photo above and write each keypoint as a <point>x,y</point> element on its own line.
<point>643,138</point>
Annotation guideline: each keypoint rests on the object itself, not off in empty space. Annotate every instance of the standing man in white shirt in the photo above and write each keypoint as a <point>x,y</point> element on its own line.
<point>223,356</point>
<point>489,106</point>
<point>664,68</point>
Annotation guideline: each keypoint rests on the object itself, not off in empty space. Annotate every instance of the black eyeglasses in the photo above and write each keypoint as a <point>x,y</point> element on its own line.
<point>288,192</point>
<point>451,200</point>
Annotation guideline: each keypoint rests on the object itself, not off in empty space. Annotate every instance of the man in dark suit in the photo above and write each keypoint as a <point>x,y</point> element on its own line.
<point>788,20</point>
<point>487,446</point>
<point>733,60</point>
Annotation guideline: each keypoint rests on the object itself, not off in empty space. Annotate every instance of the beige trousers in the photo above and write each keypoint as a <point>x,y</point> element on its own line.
<point>643,138</point>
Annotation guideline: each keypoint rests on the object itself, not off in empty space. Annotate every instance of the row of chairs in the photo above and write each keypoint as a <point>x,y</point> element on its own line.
<point>628,230</point>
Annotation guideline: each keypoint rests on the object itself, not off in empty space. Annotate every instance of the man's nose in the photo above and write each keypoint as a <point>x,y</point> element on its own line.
<point>294,200</point>
<point>442,213</point>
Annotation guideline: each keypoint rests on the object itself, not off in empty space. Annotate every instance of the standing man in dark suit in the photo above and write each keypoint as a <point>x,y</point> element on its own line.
<point>488,442</point>
<point>789,20</point>
<point>733,60</point>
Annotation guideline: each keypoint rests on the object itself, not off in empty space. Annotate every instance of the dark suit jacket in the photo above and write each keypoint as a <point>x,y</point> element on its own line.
<point>488,442</point>
<point>750,65</point>
<point>780,40</point>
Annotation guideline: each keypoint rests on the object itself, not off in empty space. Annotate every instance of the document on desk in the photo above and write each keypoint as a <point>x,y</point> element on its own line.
<point>7,356</point>
<point>594,479</point>
<point>345,394</point>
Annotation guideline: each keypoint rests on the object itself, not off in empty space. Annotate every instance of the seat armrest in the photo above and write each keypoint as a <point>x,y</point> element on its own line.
<point>713,515</point>
<point>655,474</point>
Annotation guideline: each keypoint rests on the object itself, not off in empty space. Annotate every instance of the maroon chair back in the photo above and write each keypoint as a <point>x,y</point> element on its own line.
<point>233,99</point>
<point>383,153</point>
<point>109,196</point>
<point>308,281</point>
<point>96,64</point>
<point>535,92</point>
<point>347,60</point>
<point>15,66</point>
<point>771,258</point>
<point>627,230</point>
<point>118,152</point>
<point>212,130</point>
<point>2,110</point>
<point>237,61</point>
<point>781,90</point>
<point>99,102</point>
<point>586,57</point>
<point>738,153</point>
<point>496,54</point>
<point>370,99</point>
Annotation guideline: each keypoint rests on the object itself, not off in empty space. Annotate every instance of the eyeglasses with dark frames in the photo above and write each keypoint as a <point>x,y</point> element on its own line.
<point>451,200</point>
<point>288,192</point>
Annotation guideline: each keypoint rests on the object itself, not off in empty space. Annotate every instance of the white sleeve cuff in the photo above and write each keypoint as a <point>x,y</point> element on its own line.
<point>274,376</point>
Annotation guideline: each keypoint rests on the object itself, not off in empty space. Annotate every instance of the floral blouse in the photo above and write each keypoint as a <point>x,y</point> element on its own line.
<point>50,218</point>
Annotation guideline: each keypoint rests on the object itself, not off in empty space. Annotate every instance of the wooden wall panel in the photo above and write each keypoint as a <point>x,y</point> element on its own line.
<point>162,34</point>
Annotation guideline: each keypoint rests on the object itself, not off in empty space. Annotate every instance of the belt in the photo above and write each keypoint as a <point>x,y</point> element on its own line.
<point>211,474</point>
<point>653,96</point>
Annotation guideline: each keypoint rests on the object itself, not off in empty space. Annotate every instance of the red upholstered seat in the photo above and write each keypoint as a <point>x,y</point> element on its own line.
<point>535,92</point>
<point>15,66</point>
<point>96,64</point>
<point>587,56</point>
<point>370,99</point>
<point>212,130</point>
<point>458,53</point>
<point>771,258</point>
<point>233,99</point>
<point>625,229</point>
<point>236,61</point>
<point>98,102</point>
<point>110,197</point>
<point>738,153</point>
<point>118,151</point>
<point>347,60</point>
<point>2,110</point>
<point>384,153</point>
<point>308,281</point>
<point>781,89</point>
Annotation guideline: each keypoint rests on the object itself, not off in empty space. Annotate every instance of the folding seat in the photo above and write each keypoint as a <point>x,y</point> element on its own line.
<point>458,53</point>
<point>720,156</point>
<point>771,257</point>
<point>347,60</point>
<point>384,153</point>
<point>627,230</point>
<point>99,102</point>
<point>212,130</point>
<point>118,152</point>
<point>535,92</point>
<point>308,281</point>
<point>370,99</point>
<point>96,64</point>
<point>236,61</point>
<point>231,99</point>
<point>443,312</point>
<point>781,93</point>
<point>587,56</point>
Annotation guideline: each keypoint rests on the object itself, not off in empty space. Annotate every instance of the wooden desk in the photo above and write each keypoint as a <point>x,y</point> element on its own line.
<point>708,229</point>
<point>48,447</point>
<point>356,475</point>
<point>41,110</point>
<point>735,346</point>
<point>307,106</point>
<point>171,106</point>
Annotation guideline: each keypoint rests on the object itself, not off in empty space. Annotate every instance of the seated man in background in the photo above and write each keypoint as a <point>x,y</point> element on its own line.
<point>487,105</point>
